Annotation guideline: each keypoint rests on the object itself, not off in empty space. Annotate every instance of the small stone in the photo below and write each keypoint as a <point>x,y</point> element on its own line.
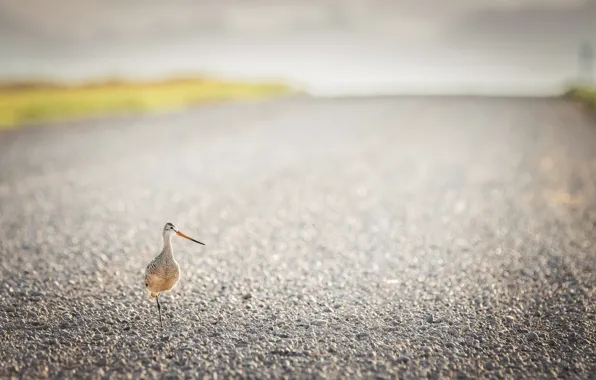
<point>531,336</point>
<point>431,319</point>
<point>247,296</point>
<point>403,359</point>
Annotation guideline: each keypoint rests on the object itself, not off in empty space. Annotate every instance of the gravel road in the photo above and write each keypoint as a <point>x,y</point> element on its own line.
<point>372,238</point>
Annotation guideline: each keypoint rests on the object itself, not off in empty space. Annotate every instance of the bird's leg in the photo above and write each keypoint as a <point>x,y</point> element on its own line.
<point>159,310</point>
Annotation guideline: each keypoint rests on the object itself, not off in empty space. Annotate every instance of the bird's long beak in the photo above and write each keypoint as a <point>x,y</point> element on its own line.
<point>189,238</point>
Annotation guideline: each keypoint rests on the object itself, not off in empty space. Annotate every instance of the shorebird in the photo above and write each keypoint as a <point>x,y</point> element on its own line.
<point>163,273</point>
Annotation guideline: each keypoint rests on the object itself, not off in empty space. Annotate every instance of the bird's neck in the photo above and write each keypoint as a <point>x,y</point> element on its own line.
<point>167,247</point>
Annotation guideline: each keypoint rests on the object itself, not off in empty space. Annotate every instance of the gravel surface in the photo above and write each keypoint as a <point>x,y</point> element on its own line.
<point>359,238</point>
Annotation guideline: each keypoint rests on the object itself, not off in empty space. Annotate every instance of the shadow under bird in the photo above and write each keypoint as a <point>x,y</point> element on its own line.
<point>163,273</point>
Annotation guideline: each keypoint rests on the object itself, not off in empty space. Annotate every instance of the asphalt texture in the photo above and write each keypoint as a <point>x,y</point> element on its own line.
<point>376,238</point>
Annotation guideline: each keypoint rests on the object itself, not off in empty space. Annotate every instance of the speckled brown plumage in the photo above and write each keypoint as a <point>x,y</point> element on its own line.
<point>163,272</point>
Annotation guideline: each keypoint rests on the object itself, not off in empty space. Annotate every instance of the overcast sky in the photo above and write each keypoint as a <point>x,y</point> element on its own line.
<point>64,22</point>
<point>89,37</point>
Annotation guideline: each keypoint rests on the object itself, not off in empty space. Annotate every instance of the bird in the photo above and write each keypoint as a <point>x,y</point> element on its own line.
<point>163,272</point>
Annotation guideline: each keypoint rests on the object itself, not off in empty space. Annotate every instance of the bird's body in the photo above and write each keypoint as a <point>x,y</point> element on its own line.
<point>163,272</point>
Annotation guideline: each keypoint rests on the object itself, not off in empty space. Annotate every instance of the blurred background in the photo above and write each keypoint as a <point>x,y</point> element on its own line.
<point>323,47</point>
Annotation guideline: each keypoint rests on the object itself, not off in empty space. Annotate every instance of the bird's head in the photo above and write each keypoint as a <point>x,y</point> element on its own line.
<point>170,230</point>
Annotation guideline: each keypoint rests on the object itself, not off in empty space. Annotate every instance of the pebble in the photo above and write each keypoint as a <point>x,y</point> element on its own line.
<point>319,322</point>
<point>403,359</point>
<point>532,336</point>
